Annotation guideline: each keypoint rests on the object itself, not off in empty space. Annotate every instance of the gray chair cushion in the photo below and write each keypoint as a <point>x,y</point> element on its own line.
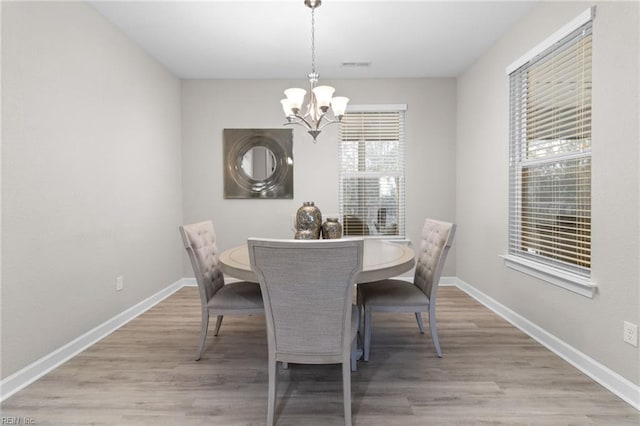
<point>237,296</point>
<point>396,293</point>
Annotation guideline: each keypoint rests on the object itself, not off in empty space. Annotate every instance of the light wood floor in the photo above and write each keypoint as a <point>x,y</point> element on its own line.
<point>491,373</point>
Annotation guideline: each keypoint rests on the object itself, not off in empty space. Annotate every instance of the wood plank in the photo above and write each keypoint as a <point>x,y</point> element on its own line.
<point>144,374</point>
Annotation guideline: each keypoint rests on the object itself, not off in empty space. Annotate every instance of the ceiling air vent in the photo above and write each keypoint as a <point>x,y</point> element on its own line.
<point>355,64</point>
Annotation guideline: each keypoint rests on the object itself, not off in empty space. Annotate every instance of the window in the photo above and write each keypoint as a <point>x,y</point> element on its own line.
<point>550,155</point>
<point>371,163</point>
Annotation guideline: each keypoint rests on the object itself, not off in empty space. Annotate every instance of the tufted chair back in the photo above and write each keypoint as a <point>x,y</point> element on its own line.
<point>435,243</point>
<point>200,242</point>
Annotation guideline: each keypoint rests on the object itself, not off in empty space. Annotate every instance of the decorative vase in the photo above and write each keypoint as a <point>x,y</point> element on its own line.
<point>305,234</point>
<point>331,228</point>
<point>308,218</point>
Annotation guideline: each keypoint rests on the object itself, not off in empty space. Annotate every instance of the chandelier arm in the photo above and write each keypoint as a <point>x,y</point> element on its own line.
<point>300,121</point>
<point>321,123</point>
<point>327,122</point>
<point>296,123</point>
<point>323,120</point>
<point>306,123</point>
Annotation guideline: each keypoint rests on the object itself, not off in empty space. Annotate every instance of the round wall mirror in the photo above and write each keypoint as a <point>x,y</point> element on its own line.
<point>259,163</point>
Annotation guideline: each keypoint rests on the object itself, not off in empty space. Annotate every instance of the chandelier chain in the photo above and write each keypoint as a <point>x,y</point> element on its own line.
<point>313,40</point>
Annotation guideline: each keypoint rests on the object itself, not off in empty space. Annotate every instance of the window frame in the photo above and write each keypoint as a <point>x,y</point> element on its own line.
<point>397,174</point>
<point>577,280</point>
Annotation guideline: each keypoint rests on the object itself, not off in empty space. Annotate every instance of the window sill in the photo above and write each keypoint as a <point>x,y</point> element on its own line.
<point>572,282</point>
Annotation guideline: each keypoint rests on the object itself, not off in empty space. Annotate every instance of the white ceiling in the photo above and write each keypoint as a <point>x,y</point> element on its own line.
<point>272,39</point>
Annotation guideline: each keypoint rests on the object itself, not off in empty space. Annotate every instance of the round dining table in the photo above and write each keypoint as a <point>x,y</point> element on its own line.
<point>381,260</point>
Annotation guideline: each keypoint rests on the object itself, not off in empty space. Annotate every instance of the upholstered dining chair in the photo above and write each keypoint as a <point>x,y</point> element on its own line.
<point>307,287</point>
<point>216,297</point>
<point>393,295</point>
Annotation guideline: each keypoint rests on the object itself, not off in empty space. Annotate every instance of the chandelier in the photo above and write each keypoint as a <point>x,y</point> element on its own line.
<point>314,118</point>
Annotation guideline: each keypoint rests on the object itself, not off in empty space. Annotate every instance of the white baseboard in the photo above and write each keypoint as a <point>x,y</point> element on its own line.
<point>191,282</point>
<point>32,372</point>
<point>448,282</point>
<point>615,383</point>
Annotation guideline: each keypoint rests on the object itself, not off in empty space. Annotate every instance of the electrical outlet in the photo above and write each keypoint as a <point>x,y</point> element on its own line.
<point>119,283</point>
<point>631,333</point>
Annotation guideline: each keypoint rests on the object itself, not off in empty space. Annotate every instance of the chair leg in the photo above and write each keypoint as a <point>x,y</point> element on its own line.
<point>354,342</point>
<point>218,324</point>
<point>203,333</point>
<point>367,332</point>
<point>420,324</point>
<point>346,389</point>
<point>354,354</point>
<point>359,306</point>
<point>434,330</point>
<point>271,408</point>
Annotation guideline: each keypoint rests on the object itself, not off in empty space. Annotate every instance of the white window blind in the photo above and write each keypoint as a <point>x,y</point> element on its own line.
<point>371,164</point>
<point>550,155</point>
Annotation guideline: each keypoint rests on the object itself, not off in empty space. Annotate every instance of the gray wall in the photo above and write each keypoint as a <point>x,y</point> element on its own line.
<point>91,180</point>
<point>209,106</point>
<point>104,154</point>
<point>593,326</point>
